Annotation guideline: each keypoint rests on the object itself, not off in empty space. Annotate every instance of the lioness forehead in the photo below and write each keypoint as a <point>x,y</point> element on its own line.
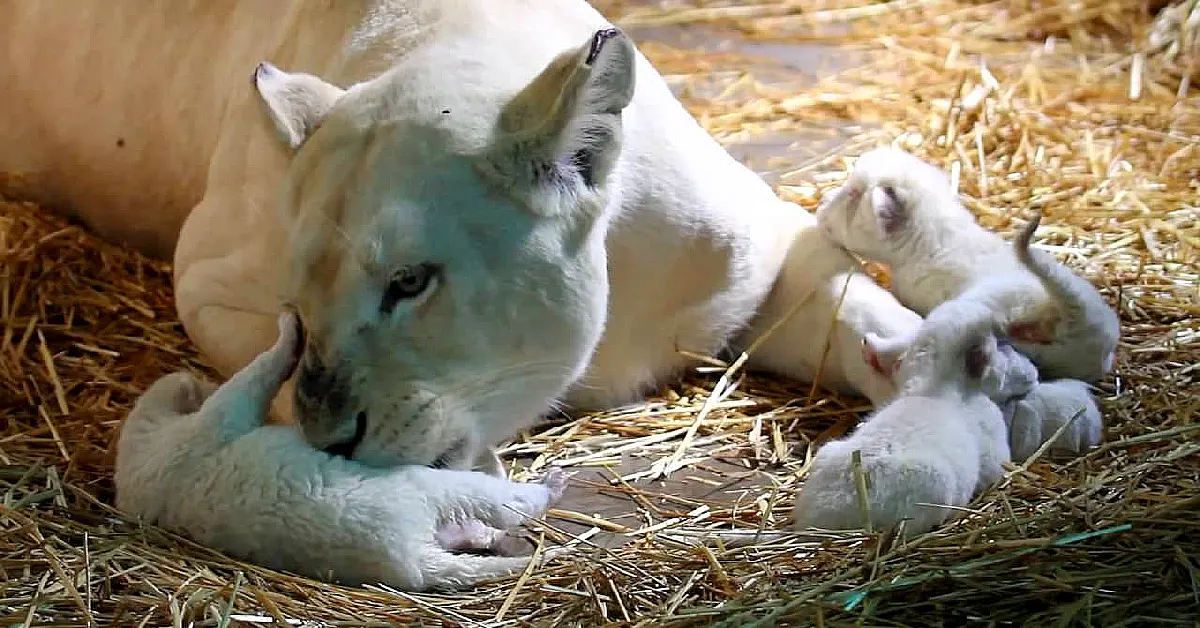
<point>364,204</point>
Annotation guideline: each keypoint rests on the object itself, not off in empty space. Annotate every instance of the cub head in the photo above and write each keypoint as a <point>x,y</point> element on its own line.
<point>891,202</point>
<point>449,269</point>
<point>884,355</point>
<point>955,349</point>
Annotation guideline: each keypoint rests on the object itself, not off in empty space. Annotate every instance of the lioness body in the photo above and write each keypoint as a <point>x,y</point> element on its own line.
<point>142,120</point>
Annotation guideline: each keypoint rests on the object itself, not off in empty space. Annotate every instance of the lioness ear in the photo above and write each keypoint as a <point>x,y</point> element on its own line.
<point>569,117</point>
<point>297,103</point>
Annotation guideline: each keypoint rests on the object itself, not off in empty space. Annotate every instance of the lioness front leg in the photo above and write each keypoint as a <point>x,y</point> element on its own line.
<point>227,298</point>
<point>822,306</point>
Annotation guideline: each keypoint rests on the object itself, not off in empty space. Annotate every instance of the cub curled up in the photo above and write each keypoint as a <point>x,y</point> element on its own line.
<point>1032,410</point>
<point>1037,415</point>
<point>938,442</point>
<point>199,458</point>
<point>904,212</point>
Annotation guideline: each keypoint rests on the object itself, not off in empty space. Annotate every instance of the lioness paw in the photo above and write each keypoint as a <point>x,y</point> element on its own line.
<point>1024,429</point>
<point>1035,418</point>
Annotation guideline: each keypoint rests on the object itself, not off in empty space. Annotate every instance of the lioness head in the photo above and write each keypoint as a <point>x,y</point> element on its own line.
<point>452,282</point>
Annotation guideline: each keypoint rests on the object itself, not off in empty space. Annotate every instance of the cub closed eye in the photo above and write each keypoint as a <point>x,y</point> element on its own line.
<point>409,282</point>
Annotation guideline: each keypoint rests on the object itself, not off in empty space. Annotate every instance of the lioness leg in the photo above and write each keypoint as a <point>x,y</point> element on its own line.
<point>228,333</point>
<point>821,307</point>
<point>227,298</point>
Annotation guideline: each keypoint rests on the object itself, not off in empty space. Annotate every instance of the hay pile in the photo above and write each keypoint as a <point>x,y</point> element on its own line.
<point>1060,105</point>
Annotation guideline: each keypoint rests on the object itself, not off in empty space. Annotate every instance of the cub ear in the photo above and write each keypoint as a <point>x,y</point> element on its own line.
<point>567,121</point>
<point>882,355</point>
<point>979,357</point>
<point>297,103</point>
<point>890,210</point>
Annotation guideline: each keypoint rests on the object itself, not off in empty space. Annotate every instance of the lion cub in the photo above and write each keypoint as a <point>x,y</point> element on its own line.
<point>1012,374</point>
<point>1034,417</point>
<point>900,210</point>
<point>201,460</point>
<point>932,447</point>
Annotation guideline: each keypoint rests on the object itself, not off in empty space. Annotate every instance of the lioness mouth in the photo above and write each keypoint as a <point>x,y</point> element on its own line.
<point>451,455</point>
<point>346,449</point>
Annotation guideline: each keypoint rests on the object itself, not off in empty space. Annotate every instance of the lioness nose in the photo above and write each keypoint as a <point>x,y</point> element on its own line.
<point>318,387</point>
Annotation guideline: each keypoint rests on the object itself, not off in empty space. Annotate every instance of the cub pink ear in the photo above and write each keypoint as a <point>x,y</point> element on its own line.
<point>882,356</point>
<point>1033,332</point>
<point>872,358</point>
<point>890,212</point>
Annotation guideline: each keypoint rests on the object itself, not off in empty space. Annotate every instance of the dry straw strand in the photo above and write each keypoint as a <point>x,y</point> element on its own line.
<point>1076,109</point>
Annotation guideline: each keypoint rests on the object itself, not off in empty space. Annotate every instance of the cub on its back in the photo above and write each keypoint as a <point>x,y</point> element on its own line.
<point>201,460</point>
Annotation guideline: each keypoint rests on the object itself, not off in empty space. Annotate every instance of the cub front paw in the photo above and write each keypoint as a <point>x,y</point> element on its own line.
<point>467,535</point>
<point>555,482</point>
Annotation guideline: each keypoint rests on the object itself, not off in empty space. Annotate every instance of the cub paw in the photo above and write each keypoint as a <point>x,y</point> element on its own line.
<point>467,535</point>
<point>555,481</point>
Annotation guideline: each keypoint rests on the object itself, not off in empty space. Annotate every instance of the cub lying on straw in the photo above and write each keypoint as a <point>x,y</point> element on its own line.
<point>1034,417</point>
<point>897,209</point>
<point>938,442</point>
<point>202,460</point>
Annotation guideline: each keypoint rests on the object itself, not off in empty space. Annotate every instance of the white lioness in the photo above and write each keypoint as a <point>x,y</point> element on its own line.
<point>481,208</point>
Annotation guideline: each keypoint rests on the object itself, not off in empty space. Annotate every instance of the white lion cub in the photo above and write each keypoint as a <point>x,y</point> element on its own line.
<point>201,460</point>
<point>1012,374</point>
<point>1035,417</point>
<point>900,210</point>
<point>937,443</point>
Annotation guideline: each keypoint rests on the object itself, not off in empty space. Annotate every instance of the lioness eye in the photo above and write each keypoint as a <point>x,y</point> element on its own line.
<point>408,283</point>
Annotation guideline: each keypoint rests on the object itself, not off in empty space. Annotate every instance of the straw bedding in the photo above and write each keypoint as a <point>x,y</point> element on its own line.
<point>1070,107</point>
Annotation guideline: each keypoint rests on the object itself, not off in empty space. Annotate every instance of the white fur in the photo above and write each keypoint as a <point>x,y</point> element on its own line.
<point>202,461</point>
<point>938,442</point>
<point>897,209</point>
<point>575,257</point>
<point>1034,417</point>
<point>385,134</point>
<point>817,272</point>
<point>1079,339</point>
<point>1010,375</point>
